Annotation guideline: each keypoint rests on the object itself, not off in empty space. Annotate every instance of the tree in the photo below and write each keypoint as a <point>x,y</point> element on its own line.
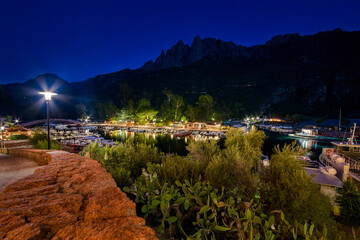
<point>169,95</point>
<point>124,115</point>
<point>177,104</point>
<point>110,110</point>
<point>81,111</point>
<point>144,102</point>
<point>145,111</point>
<point>249,144</point>
<point>191,113</point>
<point>349,202</point>
<point>105,110</point>
<point>8,119</point>
<point>205,105</point>
<point>286,186</point>
<point>202,152</point>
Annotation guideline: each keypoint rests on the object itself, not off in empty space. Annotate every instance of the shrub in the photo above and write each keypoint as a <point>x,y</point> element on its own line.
<point>200,211</point>
<point>202,152</point>
<point>124,161</point>
<point>349,202</point>
<point>39,134</point>
<point>18,137</point>
<point>229,169</point>
<point>176,168</point>
<point>248,144</point>
<point>43,144</point>
<point>285,185</point>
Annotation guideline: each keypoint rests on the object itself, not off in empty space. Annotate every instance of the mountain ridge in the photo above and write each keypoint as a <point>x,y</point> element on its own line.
<point>311,74</point>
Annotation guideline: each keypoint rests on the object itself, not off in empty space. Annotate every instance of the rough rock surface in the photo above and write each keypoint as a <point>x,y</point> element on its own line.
<point>72,197</point>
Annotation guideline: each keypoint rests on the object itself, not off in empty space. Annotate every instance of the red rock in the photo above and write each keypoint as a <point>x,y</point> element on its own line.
<point>73,197</point>
<point>26,232</point>
<point>125,228</point>
<point>8,223</point>
<point>111,203</point>
<point>44,190</point>
<point>32,181</point>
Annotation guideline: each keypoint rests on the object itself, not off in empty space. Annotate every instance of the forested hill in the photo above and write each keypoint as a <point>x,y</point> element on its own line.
<point>313,75</point>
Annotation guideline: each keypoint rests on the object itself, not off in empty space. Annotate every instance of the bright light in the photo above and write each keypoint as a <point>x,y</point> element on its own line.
<point>47,95</point>
<point>16,121</point>
<point>2,128</point>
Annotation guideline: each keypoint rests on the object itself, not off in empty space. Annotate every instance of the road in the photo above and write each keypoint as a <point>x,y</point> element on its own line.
<point>13,168</point>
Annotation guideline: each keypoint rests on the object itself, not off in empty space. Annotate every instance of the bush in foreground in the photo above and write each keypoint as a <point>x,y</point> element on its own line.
<point>221,193</point>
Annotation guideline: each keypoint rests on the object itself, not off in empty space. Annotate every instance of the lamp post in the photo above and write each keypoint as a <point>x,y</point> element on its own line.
<point>2,135</point>
<point>48,96</point>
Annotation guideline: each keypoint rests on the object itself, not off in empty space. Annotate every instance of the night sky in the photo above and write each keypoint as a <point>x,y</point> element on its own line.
<point>79,39</point>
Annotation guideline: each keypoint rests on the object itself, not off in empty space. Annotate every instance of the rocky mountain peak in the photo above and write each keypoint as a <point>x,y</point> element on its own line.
<point>181,54</point>
<point>47,81</point>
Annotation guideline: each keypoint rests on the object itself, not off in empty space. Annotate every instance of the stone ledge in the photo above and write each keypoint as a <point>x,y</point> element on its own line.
<point>72,197</point>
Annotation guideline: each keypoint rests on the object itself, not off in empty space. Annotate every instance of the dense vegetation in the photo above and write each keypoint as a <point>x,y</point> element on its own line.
<point>222,192</point>
<point>39,140</point>
<point>173,108</point>
<point>18,137</point>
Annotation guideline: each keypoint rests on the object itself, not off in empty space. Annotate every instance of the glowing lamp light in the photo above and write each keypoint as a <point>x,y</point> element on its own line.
<point>2,128</point>
<point>47,95</point>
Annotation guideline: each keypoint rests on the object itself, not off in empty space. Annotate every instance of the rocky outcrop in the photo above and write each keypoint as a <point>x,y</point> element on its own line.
<point>72,197</point>
<point>182,54</point>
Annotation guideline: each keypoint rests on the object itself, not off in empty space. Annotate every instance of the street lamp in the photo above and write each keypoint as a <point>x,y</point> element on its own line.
<point>2,135</point>
<point>48,96</point>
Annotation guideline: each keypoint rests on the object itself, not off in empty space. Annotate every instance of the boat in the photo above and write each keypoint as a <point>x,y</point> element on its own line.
<point>182,134</point>
<point>314,134</point>
<point>344,157</point>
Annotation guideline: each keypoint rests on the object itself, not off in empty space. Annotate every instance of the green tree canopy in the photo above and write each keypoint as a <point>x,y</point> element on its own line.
<point>145,111</point>
<point>287,186</point>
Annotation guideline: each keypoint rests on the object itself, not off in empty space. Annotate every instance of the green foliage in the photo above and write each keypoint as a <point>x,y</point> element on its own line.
<point>38,135</point>
<point>349,202</point>
<point>173,106</point>
<point>145,112</point>
<point>202,152</point>
<point>105,110</point>
<point>200,211</point>
<point>236,200</point>
<point>249,144</point>
<point>230,169</point>
<point>43,144</point>
<point>18,137</point>
<point>123,115</point>
<point>285,185</point>
<point>125,160</point>
<point>174,168</point>
<point>191,113</point>
<point>39,140</point>
<point>8,119</point>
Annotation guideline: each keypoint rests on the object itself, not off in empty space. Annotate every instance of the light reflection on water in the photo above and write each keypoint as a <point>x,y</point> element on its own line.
<point>168,143</point>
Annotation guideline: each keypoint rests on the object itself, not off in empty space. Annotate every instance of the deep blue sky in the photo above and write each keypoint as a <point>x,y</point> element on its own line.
<point>80,39</point>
